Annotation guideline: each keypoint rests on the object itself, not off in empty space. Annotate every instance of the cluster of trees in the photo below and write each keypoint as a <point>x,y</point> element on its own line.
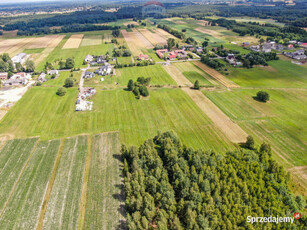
<point>174,32</point>
<point>69,63</point>
<point>130,26</point>
<point>139,88</point>
<point>116,33</point>
<point>257,58</point>
<point>7,65</point>
<point>121,51</point>
<point>171,186</point>
<point>191,41</point>
<point>215,64</point>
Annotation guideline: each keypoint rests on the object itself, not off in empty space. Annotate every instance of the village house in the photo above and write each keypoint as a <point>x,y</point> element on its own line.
<point>231,58</point>
<point>88,58</point>
<point>3,76</point>
<point>255,48</point>
<point>268,46</point>
<point>143,57</point>
<point>89,75</point>
<point>88,92</point>
<point>21,75</point>
<point>304,45</point>
<point>53,72</point>
<point>290,46</point>
<point>42,77</point>
<point>104,70</point>
<point>297,55</point>
<point>245,44</point>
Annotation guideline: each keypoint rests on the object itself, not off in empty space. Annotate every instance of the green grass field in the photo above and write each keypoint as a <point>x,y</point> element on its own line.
<point>105,198</point>
<point>63,206</point>
<point>280,74</point>
<point>50,116</point>
<point>282,121</point>
<point>23,208</point>
<point>192,73</point>
<point>59,81</point>
<point>156,72</point>
<point>33,51</point>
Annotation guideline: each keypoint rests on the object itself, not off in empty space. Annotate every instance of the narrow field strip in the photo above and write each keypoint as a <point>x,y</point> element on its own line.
<point>63,207</point>
<point>85,182</point>
<point>49,188</point>
<point>216,75</point>
<point>154,38</point>
<point>13,159</point>
<point>23,209</point>
<point>132,42</point>
<point>231,130</point>
<point>92,40</point>
<point>144,42</point>
<point>105,199</point>
<point>164,34</point>
<point>177,75</point>
<point>73,42</point>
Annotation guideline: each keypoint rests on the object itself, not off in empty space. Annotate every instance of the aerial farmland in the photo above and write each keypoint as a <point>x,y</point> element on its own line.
<point>101,121</point>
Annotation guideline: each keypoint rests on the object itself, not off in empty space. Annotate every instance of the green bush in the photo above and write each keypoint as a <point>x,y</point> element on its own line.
<point>61,91</point>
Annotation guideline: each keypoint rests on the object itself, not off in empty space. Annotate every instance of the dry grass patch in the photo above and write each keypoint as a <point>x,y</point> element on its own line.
<point>92,40</point>
<point>164,34</point>
<point>208,31</point>
<point>144,43</point>
<point>73,42</point>
<point>132,42</point>
<point>153,38</point>
<point>177,75</point>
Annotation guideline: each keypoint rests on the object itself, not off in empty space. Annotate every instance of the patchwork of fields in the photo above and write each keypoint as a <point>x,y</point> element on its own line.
<point>46,181</point>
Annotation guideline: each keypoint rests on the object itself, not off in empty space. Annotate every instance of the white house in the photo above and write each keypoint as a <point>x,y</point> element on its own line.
<point>104,70</point>
<point>89,58</point>
<point>20,58</point>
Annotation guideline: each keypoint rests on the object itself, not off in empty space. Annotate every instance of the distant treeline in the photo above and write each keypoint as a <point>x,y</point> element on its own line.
<point>66,29</point>
<point>176,33</point>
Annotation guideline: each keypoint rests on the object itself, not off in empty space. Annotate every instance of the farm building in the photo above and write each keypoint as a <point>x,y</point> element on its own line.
<point>20,58</point>
<point>15,82</point>
<point>52,72</point>
<point>21,75</point>
<point>231,58</point>
<point>255,48</point>
<point>245,44</point>
<point>161,53</point>
<point>297,55</point>
<point>89,75</point>
<point>3,76</point>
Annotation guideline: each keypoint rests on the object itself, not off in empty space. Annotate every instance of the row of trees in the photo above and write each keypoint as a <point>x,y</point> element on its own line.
<point>174,32</point>
<point>171,186</point>
<point>215,64</point>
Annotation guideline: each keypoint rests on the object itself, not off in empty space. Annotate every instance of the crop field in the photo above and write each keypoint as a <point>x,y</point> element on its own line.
<point>156,72</point>
<point>23,205</point>
<point>137,120</point>
<point>192,73</point>
<point>63,206</point>
<point>283,74</point>
<point>153,38</point>
<point>91,40</point>
<point>78,54</point>
<point>281,121</point>
<point>74,41</point>
<point>105,198</point>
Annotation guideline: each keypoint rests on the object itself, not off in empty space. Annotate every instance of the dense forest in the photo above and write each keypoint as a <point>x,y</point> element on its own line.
<point>171,186</point>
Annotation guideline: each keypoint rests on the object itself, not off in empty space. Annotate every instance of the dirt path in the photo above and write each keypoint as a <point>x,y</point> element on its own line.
<point>177,75</point>
<point>216,75</point>
<point>231,130</point>
<point>85,184</point>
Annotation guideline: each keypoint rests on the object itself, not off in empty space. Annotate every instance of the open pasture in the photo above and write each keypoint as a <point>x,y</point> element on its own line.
<point>74,41</point>
<point>192,73</point>
<point>91,40</point>
<point>280,122</point>
<point>137,120</point>
<point>60,80</point>
<point>216,75</point>
<point>279,74</point>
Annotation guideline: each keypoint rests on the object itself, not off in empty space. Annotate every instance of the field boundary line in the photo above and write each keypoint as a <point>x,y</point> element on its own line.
<point>44,206</point>
<point>86,174</point>
<point>19,176</point>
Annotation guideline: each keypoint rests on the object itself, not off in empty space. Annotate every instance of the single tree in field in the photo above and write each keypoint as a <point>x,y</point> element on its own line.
<point>205,44</point>
<point>196,85</point>
<point>263,96</point>
<point>170,43</point>
<point>30,66</point>
<point>115,33</point>
<point>61,91</point>
<point>136,92</point>
<point>69,82</point>
<point>250,142</point>
<point>130,85</point>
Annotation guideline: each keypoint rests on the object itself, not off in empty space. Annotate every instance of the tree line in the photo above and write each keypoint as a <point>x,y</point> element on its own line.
<point>171,186</point>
